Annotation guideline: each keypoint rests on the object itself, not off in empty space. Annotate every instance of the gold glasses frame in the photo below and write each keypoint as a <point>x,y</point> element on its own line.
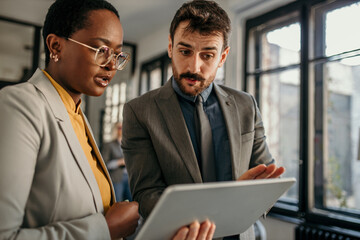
<point>118,65</point>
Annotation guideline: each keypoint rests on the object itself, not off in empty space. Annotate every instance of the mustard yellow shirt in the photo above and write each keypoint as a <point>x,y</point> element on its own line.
<point>78,124</point>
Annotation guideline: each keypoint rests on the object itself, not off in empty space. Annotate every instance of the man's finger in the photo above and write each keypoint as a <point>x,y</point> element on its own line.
<point>268,172</point>
<point>204,229</point>
<point>181,234</point>
<point>211,231</point>
<point>278,172</point>
<point>193,230</point>
<point>253,172</point>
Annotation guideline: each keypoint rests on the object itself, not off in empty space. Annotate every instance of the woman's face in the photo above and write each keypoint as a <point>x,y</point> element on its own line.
<point>77,71</point>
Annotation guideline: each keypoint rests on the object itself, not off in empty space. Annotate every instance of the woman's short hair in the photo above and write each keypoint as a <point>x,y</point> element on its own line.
<point>65,17</point>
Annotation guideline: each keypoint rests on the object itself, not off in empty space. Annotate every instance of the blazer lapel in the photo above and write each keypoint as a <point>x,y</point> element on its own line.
<point>98,156</point>
<point>169,106</point>
<point>233,125</point>
<point>57,106</point>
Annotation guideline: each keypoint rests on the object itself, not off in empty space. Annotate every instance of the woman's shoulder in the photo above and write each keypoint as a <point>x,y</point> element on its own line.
<point>23,93</point>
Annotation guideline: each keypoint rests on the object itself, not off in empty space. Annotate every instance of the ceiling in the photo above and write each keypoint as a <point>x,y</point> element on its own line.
<point>139,18</point>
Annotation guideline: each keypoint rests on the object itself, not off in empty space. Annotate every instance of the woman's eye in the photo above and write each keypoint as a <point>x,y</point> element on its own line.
<point>104,50</point>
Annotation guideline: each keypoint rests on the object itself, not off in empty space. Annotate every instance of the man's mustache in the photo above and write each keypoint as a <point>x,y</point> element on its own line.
<point>192,76</point>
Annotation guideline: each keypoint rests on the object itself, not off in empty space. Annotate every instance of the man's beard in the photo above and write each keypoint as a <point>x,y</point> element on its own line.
<point>197,89</point>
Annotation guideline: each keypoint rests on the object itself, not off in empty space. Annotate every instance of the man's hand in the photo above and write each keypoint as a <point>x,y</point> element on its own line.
<point>262,171</point>
<point>196,231</point>
<point>122,219</point>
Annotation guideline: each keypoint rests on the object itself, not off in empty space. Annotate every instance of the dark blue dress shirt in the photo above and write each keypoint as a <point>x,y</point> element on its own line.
<point>219,132</point>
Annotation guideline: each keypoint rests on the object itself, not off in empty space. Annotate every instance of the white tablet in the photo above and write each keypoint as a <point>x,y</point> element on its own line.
<point>233,206</point>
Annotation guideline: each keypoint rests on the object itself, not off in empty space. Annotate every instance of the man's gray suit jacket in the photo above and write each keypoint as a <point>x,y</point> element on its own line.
<point>157,146</point>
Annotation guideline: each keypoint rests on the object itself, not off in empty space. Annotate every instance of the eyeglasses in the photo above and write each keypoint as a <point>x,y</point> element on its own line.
<point>105,54</point>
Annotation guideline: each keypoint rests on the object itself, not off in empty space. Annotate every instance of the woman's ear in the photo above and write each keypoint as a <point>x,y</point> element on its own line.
<point>54,44</point>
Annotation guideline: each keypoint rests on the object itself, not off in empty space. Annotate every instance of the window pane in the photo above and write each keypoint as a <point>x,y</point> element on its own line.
<point>143,83</point>
<point>251,85</point>
<point>114,114</point>
<point>169,72</point>
<point>155,78</point>
<point>220,76</point>
<point>341,166</point>
<point>115,94</point>
<point>122,93</point>
<point>16,49</point>
<point>280,104</point>
<point>340,38</point>
<point>281,47</point>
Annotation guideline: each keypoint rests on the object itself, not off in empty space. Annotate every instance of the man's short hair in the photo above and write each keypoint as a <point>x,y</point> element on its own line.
<point>65,17</point>
<point>206,17</point>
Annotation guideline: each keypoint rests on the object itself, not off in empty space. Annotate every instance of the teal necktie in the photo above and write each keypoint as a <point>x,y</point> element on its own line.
<point>204,138</point>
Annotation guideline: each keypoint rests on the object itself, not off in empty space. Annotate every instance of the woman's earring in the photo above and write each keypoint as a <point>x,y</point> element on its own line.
<point>54,56</point>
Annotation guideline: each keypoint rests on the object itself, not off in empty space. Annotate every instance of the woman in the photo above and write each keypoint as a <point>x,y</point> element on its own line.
<point>53,181</point>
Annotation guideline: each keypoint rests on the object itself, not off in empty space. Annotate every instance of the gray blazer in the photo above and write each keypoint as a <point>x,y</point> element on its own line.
<point>157,146</point>
<point>47,187</point>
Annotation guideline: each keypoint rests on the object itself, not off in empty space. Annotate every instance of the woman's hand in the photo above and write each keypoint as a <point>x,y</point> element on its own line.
<point>122,219</point>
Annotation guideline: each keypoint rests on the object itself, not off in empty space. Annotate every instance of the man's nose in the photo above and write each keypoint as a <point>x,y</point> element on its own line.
<point>194,64</point>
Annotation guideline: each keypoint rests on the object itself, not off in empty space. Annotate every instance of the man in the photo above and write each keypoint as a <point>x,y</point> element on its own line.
<point>160,138</point>
<point>114,160</point>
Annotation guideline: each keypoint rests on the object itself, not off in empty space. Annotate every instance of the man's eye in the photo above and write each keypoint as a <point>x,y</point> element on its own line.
<point>185,52</point>
<point>207,56</point>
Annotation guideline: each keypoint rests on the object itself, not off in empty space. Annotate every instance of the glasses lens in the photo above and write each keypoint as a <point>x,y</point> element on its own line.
<point>121,60</point>
<point>103,55</point>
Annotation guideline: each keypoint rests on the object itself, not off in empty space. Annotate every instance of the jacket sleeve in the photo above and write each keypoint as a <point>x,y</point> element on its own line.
<point>260,151</point>
<point>21,130</point>
<point>145,177</point>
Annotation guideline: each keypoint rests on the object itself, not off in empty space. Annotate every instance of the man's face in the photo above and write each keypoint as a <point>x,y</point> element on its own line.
<point>195,58</point>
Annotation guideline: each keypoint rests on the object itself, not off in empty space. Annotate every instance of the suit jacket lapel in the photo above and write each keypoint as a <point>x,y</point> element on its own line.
<point>57,106</point>
<point>169,106</point>
<point>231,117</point>
<point>98,156</point>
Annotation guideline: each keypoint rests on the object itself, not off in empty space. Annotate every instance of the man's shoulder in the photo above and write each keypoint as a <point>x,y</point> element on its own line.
<point>149,97</point>
<point>235,92</point>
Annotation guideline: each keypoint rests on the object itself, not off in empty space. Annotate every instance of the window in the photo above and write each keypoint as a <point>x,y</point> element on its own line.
<point>19,51</point>
<point>336,69</point>
<point>154,73</point>
<point>116,94</point>
<point>277,77</point>
<point>303,67</point>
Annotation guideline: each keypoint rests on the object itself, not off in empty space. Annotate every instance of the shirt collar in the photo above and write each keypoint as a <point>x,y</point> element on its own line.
<point>68,101</point>
<point>204,94</point>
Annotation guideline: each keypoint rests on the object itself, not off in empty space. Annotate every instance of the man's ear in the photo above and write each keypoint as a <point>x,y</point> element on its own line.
<point>224,55</point>
<point>170,47</point>
<point>54,44</point>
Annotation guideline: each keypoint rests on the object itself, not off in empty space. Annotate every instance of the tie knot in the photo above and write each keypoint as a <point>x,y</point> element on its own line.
<point>199,100</point>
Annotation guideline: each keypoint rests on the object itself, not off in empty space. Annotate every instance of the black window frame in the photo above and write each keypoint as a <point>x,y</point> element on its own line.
<point>290,210</point>
<point>162,61</point>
